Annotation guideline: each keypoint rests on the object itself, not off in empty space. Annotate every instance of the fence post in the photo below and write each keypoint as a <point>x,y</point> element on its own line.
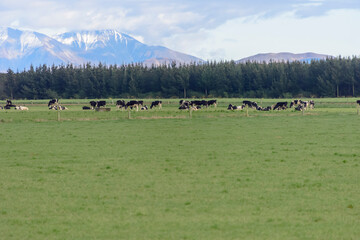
<point>58,111</point>
<point>247,110</point>
<point>190,112</point>
<point>129,114</point>
<point>357,107</point>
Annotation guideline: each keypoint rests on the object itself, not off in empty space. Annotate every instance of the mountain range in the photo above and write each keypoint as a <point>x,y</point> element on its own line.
<point>284,57</point>
<point>20,49</point>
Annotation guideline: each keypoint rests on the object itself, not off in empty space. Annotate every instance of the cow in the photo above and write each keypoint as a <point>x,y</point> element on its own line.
<point>212,102</point>
<point>279,106</point>
<point>8,102</point>
<point>133,104</point>
<point>22,108</point>
<point>184,103</point>
<point>358,102</point>
<point>52,102</point>
<point>233,107</point>
<point>86,108</point>
<point>199,103</point>
<point>156,103</point>
<point>120,104</point>
<point>295,103</point>
<point>250,104</point>
<point>312,104</point>
<point>144,108</point>
<point>93,104</point>
<point>100,104</point>
<point>9,106</point>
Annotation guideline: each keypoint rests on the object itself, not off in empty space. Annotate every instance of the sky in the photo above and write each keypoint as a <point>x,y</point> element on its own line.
<point>208,29</point>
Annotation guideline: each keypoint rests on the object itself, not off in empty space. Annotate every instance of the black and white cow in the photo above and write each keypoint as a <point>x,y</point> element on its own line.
<point>199,103</point>
<point>295,103</point>
<point>144,108</point>
<point>53,101</point>
<point>100,104</point>
<point>184,103</point>
<point>233,107</point>
<point>279,106</point>
<point>156,104</point>
<point>93,104</point>
<point>358,102</point>
<point>120,104</point>
<point>133,104</point>
<point>212,103</point>
<point>250,104</point>
<point>86,108</point>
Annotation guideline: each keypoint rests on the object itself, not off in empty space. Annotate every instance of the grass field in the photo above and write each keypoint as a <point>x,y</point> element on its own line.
<point>164,175</point>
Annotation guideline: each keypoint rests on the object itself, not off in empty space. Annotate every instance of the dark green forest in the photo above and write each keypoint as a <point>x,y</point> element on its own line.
<point>333,77</point>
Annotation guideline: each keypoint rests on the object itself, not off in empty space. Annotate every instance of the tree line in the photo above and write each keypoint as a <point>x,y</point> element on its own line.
<point>332,77</point>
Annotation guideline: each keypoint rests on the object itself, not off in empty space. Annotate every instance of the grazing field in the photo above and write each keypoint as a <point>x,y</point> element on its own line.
<point>166,174</point>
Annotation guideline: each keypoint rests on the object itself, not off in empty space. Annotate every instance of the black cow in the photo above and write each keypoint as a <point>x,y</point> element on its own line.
<point>358,102</point>
<point>86,108</point>
<point>250,104</point>
<point>211,102</point>
<point>156,103</point>
<point>120,104</point>
<point>9,106</point>
<point>8,102</point>
<point>52,102</point>
<point>93,104</point>
<point>199,103</point>
<point>101,104</point>
<point>280,106</point>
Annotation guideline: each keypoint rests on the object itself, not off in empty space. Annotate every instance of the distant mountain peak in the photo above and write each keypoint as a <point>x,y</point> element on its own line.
<point>88,40</point>
<point>284,57</point>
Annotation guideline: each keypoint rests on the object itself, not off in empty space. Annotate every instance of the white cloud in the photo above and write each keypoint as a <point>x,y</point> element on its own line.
<point>208,29</point>
<point>332,33</point>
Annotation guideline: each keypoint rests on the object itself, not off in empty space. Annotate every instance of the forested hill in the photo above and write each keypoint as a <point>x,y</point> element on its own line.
<point>324,78</point>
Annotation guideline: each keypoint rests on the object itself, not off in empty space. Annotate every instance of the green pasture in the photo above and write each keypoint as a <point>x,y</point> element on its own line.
<point>169,174</point>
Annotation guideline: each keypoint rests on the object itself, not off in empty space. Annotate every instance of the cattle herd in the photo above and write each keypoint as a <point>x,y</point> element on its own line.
<point>137,105</point>
<point>298,105</point>
<point>10,105</point>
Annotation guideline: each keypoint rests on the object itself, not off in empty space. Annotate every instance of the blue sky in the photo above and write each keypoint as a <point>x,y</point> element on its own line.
<point>211,30</point>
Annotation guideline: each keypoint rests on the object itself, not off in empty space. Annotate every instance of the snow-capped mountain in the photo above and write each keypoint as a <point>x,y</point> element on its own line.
<point>20,49</point>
